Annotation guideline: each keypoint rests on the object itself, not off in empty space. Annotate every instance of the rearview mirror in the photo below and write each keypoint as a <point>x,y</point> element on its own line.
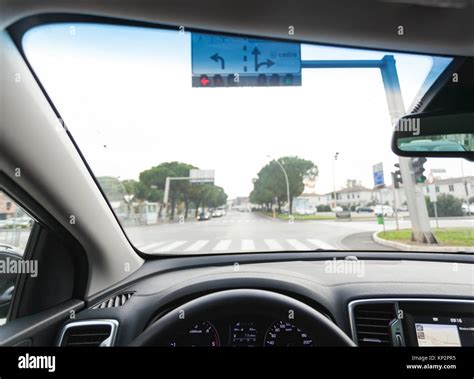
<point>435,135</point>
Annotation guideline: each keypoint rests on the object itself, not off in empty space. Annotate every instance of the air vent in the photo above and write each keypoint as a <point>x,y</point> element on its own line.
<point>371,323</point>
<point>115,301</point>
<point>89,333</point>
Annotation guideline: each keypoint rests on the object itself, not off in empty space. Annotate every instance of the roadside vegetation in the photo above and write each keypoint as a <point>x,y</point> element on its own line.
<point>445,236</point>
<point>151,186</point>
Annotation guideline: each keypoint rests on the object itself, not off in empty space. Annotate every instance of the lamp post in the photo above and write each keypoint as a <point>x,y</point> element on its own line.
<point>287,183</point>
<point>334,179</point>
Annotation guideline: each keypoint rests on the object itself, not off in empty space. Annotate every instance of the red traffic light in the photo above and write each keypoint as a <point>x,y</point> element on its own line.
<point>204,80</point>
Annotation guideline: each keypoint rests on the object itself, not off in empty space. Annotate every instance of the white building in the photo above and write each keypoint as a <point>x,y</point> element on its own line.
<point>308,203</point>
<point>462,188</point>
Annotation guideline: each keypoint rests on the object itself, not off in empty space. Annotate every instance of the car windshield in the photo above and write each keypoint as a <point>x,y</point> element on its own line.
<point>211,144</point>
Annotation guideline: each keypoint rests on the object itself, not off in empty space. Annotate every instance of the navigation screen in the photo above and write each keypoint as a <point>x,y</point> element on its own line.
<point>444,331</point>
<point>437,335</point>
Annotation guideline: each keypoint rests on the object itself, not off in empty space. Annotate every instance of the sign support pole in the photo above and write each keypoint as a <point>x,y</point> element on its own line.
<point>421,229</point>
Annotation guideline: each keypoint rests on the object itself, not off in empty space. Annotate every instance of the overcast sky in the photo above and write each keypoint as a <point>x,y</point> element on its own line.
<point>126,95</point>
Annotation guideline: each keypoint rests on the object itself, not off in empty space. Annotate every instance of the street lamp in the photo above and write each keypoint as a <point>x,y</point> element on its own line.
<point>334,179</point>
<point>287,183</point>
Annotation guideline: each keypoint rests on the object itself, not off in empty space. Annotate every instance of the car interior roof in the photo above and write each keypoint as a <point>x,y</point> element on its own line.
<point>428,26</point>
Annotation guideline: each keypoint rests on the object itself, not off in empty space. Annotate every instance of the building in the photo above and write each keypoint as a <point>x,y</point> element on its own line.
<point>355,195</point>
<point>462,188</point>
<point>308,203</point>
<point>8,207</point>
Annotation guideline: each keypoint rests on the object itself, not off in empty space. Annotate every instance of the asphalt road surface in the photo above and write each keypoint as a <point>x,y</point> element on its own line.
<point>251,232</point>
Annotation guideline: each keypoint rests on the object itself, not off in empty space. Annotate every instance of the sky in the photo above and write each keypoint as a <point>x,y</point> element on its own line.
<point>125,94</point>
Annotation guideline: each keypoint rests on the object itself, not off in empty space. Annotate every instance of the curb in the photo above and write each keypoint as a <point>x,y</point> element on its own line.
<point>412,247</point>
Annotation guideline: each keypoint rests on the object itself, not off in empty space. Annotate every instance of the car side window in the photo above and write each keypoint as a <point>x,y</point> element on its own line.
<point>15,231</point>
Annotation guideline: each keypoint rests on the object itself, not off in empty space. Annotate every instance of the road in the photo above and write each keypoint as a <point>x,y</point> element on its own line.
<point>251,232</point>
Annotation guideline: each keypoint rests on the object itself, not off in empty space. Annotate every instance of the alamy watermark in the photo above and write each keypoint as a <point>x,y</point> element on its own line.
<point>15,266</point>
<point>344,266</point>
<point>46,362</point>
<point>408,125</point>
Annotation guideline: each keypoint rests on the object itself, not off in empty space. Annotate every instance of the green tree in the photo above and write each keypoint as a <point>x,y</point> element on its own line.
<point>447,205</point>
<point>130,186</point>
<point>271,183</point>
<point>112,187</point>
<point>155,178</point>
<point>207,195</point>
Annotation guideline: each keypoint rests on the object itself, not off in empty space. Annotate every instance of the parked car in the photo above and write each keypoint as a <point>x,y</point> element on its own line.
<point>217,213</point>
<point>364,210</point>
<point>203,216</point>
<point>468,210</point>
<point>387,211</point>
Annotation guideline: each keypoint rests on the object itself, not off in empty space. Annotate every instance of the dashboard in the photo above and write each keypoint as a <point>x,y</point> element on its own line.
<point>292,303</point>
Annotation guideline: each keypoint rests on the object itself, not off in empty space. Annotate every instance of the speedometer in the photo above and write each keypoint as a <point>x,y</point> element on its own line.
<point>283,333</point>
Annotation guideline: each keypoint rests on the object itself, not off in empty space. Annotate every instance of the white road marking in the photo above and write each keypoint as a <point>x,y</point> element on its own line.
<point>247,245</point>
<point>297,244</point>
<point>169,247</point>
<point>273,244</point>
<point>151,246</point>
<point>198,245</point>
<point>222,245</point>
<point>321,244</point>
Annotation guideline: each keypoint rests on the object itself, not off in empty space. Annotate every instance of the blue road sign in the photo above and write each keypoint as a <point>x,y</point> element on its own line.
<point>378,175</point>
<point>221,61</point>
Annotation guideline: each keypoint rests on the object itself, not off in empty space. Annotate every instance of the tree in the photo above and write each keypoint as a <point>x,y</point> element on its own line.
<point>155,178</point>
<point>207,195</point>
<point>112,187</point>
<point>271,184</point>
<point>447,205</point>
<point>130,186</point>
<point>152,185</point>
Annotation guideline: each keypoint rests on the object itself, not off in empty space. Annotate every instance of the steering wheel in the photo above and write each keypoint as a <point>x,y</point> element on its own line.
<point>255,302</point>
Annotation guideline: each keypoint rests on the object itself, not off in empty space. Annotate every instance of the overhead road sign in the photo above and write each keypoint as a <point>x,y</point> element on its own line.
<point>222,61</point>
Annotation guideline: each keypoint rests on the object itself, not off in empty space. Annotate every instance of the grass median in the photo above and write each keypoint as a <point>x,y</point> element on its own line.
<point>445,236</point>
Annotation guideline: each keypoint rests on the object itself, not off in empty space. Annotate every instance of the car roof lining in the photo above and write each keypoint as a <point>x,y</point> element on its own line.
<point>363,23</point>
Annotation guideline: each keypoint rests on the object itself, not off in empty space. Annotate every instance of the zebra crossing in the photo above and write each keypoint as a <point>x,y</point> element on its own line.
<point>234,245</point>
<point>238,221</point>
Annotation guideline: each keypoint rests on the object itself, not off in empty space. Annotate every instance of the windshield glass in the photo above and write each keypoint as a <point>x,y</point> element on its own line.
<point>216,144</point>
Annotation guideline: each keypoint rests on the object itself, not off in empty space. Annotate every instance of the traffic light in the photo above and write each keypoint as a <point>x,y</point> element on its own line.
<point>418,169</point>
<point>397,176</point>
<point>204,80</point>
<point>218,81</point>
<point>261,80</point>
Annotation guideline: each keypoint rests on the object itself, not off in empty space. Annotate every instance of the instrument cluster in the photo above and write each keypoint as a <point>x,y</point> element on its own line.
<point>246,332</point>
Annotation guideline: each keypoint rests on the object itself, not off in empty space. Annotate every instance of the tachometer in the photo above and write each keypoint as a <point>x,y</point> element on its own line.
<point>200,334</point>
<point>283,333</point>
